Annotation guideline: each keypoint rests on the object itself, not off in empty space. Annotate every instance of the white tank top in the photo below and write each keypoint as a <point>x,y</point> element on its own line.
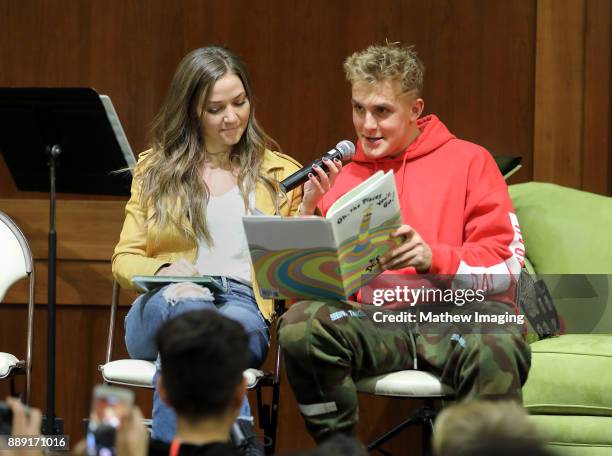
<point>229,255</point>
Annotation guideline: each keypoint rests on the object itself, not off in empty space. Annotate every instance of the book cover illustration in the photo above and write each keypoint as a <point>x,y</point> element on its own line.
<point>326,258</point>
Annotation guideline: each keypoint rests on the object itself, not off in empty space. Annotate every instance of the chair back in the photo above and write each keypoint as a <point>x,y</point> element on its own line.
<point>15,254</point>
<point>16,262</point>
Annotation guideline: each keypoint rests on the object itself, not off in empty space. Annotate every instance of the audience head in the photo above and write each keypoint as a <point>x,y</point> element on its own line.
<point>475,427</point>
<point>338,444</point>
<point>203,355</point>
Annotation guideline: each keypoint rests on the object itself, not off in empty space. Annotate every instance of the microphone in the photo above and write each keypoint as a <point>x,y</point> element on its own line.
<point>344,150</point>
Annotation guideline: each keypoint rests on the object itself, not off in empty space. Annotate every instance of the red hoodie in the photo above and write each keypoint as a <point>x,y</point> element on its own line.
<point>452,193</point>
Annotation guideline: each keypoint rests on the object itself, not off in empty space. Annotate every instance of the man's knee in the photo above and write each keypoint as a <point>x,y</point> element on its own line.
<point>498,347</point>
<point>294,326</point>
<point>503,362</point>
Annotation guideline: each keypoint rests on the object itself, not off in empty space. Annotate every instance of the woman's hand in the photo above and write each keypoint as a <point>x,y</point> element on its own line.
<point>181,268</point>
<point>318,184</point>
<point>412,252</point>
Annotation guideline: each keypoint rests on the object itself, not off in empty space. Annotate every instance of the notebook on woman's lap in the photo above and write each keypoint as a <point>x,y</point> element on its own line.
<point>148,283</point>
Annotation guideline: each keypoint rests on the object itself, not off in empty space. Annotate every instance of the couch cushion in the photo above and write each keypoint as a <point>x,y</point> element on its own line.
<point>565,230</point>
<point>570,375</point>
<point>576,435</point>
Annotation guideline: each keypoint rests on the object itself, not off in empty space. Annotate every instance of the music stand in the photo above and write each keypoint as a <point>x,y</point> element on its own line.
<point>43,128</point>
<point>508,164</point>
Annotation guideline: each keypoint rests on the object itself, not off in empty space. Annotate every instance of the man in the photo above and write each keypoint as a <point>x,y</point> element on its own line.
<point>203,355</point>
<point>461,224</point>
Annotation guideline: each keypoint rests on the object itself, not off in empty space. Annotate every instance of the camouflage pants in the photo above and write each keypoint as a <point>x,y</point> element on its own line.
<point>328,346</point>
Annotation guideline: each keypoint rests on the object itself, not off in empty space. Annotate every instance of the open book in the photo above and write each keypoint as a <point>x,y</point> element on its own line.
<point>326,257</point>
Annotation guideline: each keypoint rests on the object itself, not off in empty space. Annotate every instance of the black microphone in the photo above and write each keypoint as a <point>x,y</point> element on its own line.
<point>344,150</point>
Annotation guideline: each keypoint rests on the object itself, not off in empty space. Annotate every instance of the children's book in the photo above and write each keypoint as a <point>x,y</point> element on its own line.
<point>327,257</point>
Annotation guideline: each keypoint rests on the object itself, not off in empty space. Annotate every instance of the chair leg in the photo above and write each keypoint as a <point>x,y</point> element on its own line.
<point>268,415</point>
<point>271,434</point>
<point>427,429</point>
<point>13,387</point>
<point>375,444</point>
<point>424,416</point>
<point>263,412</point>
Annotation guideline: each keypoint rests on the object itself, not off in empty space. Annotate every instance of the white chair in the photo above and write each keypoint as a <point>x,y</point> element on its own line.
<point>16,263</point>
<point>126,372</point>
<point>139,373</point>
<point>408,384</point>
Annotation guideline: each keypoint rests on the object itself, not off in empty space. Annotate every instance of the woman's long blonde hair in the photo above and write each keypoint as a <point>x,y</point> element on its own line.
<point>170,181</point>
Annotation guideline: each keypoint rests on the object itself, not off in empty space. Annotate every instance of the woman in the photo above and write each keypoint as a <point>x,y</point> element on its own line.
<point>210,164</point>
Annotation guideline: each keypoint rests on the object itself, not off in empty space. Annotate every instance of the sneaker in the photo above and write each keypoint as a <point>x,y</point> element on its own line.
<point>245,440</point>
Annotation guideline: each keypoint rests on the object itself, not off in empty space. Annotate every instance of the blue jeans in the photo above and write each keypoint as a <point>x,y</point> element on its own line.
<point>150,311</point>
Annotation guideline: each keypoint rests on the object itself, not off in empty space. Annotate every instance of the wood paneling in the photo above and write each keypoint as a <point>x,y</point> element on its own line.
<point>479,56</point>
<point>558,92</point>
<point>86,230</point>
<point>572,97</point>
<point>78,282</point>
<point>597,97</point>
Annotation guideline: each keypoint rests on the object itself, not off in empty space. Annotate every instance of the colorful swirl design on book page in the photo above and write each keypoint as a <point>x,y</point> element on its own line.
<point>316,272</point>
<point>358,255</point>
<point>298,273</point>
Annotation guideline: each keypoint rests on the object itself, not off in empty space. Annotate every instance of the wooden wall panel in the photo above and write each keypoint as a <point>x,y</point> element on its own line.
<point>559,100</point>
<point>86,230</point>
<point>78,282</point>
<point>572,94</point>
<point>478,80</point>
<point>597,97</point>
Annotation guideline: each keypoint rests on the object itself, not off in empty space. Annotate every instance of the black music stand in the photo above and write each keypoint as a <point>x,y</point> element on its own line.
<point>72,136</point>
<point>508,164</point>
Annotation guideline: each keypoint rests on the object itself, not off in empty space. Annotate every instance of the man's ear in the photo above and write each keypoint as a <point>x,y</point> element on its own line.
<point>161,389</point>
<point>417,108</point>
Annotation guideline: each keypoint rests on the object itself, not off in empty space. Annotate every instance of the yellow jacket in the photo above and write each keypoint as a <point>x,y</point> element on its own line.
<point>142,250</point>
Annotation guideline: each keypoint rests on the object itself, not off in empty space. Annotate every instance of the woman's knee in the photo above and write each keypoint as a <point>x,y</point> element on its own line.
<point>255,326</point>
<point>149,312</point>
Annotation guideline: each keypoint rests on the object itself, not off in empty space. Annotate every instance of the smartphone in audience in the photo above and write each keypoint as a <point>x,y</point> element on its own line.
<point>108,405</point>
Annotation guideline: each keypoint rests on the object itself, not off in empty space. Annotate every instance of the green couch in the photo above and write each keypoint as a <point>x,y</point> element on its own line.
<point>569,389</point>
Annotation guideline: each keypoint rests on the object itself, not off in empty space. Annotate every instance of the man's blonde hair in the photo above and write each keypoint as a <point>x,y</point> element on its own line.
<point>386,62</point>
